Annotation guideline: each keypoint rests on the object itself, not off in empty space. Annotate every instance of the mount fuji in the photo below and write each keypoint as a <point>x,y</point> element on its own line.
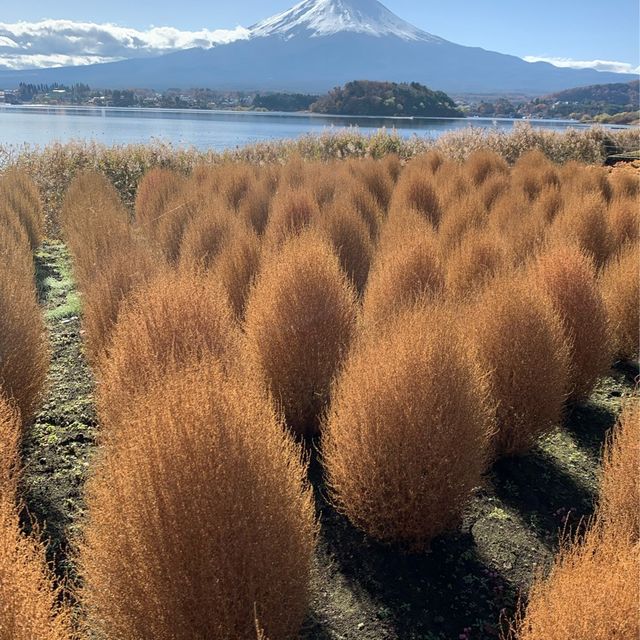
<point>319,44</point>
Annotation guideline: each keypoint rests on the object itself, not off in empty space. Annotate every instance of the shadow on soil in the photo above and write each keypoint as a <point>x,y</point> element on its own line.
<point>545,495</point>
<point>589,423</point>
<point>448,592</point>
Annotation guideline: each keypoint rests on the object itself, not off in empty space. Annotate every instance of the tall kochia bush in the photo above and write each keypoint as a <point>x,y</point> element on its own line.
<point>200,521</point>
<point>406,436</point>
<point>300,320</point>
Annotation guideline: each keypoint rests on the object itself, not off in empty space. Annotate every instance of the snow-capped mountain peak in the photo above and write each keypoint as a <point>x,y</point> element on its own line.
<point>327,17</point>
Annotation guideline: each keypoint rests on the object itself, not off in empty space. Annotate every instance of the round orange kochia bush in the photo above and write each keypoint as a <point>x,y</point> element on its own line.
<point>479,257</point>
<point>254,209</point>
<point>176,318</point>
<point>19,197</point>
<point>94,224</point>
<point>357,197</point>
<point>10,435</point>
<point>482,165</point>
<point>291,212</point>
<point>620,283</point>
<point>155,190</point>
<point>518,340</point>
<point>620,487</point>
<point>591,592</point>
<point>200,521</point>
<point>127,267</point>
<point>30,602</point>
<point>567,275</point>
<point>30,605</point>
<point>583,221</point>
<point>624,222</point>
<point>406,435</point>
<point>24,353</point>
<point>376,179</point>
<point>205,236</point>
<point>349,236</point>
<point>237,265</point>
<point>403,273</point>
<point>416,191</point>
<point>299,322</point>
<point>625,181</point>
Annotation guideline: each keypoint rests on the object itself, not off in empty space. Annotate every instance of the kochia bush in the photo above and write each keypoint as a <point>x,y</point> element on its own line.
<point>199,521</point>
<point>300,319</point>
<point>406,436</point>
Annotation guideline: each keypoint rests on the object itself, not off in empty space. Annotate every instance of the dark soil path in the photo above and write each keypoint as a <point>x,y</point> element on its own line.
<point>57,448</point>
<point>361,590</point>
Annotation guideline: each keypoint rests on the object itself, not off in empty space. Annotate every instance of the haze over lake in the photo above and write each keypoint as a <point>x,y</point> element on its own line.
<point>217,130</point>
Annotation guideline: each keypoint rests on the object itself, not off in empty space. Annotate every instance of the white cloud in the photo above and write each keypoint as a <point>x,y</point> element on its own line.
<point>598,65</point>
<point>52,43</point>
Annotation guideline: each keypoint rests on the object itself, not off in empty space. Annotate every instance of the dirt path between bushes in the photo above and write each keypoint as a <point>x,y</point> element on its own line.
<point>56,450</point>
<point>361,590</point>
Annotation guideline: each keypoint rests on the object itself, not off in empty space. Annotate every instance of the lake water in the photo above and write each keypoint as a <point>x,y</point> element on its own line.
<point>215,130</point>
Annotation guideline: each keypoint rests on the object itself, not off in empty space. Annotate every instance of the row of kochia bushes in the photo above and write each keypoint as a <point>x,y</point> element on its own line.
<point>54,166</point>
<point>422,320</point>
<point>31,604</point>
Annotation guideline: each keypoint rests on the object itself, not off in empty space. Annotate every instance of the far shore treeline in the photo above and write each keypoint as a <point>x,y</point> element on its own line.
<point>606,103</point>
<point>360,97</point>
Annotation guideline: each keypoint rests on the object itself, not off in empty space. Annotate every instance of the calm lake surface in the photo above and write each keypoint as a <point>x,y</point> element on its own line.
<point>217,130</point>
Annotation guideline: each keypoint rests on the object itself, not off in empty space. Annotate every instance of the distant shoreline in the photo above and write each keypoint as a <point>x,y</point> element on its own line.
<point>294,114</point>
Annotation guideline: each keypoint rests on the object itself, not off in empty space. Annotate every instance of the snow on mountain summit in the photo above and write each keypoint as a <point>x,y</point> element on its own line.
<point>327,17</point>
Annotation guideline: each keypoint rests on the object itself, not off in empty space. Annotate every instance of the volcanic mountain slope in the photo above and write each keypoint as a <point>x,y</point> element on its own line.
<point>319,44</point>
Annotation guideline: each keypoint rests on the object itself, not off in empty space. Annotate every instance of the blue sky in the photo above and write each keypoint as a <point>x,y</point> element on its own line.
<point>581,30</point>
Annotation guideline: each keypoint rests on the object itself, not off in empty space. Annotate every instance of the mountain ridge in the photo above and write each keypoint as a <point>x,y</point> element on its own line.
<point>319,44</point>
